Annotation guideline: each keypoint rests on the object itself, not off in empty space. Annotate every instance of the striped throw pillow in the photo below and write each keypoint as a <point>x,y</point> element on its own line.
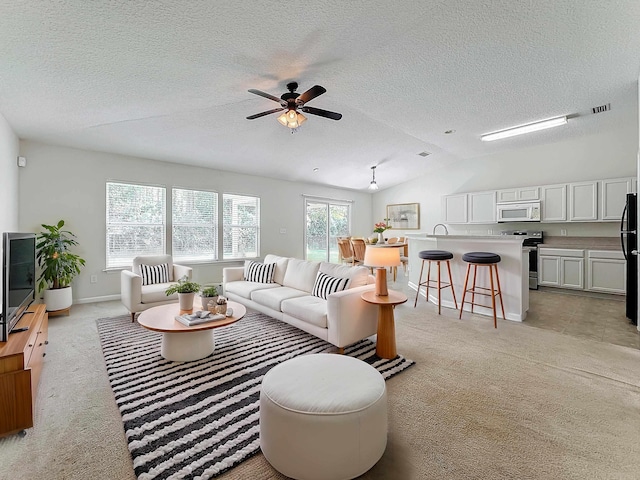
<point>154,273</point>
<point>326,285</point>
<point>259,272</point>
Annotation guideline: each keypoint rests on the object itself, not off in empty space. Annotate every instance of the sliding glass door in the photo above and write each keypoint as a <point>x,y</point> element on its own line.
<point>326,220</point>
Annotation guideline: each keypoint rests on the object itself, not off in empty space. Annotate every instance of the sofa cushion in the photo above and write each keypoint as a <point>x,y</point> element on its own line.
<point>155,293</point>
<point>325,285</point>
<point>273,297</point>
<point>358,276</point>
<point>245,289</point>
<point>309,309</point>
<point>281,266</point>
<point>301,274</point>
<point>259,272</point>
<point>152,274</point>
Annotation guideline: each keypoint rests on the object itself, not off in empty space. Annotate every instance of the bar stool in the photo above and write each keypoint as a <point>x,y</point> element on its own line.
<point>437,256</point>
<point>483,259</point>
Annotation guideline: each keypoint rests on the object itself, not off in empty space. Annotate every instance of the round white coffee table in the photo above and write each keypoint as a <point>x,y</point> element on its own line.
<point>181,343</point>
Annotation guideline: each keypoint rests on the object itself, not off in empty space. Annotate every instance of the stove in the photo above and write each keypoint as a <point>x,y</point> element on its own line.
<point>532,239</point>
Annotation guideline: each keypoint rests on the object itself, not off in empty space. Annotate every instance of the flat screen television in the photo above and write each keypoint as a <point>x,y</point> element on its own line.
<point>18,278</point>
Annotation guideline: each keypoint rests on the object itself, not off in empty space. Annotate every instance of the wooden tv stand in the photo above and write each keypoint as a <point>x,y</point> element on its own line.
<point>21,360</point>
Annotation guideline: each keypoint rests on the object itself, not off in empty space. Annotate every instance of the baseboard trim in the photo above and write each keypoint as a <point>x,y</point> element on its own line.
<point>104,298</point>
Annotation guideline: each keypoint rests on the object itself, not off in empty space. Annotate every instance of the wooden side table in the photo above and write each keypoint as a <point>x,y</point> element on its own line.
<point>386,341</point>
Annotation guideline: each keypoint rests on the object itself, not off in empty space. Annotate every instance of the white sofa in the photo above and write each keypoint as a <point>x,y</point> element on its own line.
<point>137,297</point>
<point>342,319</point>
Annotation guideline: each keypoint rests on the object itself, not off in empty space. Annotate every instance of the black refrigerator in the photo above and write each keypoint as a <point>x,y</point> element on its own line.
<point>629,239</point>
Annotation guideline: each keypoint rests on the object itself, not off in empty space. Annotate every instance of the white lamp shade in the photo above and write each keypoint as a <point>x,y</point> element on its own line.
<point>382,256</point>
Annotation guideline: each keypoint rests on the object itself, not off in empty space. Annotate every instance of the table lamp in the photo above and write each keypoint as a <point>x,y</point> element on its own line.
<point>381,258</point>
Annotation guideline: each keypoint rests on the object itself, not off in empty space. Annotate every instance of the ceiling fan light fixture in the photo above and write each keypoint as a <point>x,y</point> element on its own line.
<point>521,129</point>
<point>292,119</point>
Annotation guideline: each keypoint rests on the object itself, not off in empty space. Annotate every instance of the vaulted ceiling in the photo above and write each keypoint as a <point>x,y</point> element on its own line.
<point>169,80</point>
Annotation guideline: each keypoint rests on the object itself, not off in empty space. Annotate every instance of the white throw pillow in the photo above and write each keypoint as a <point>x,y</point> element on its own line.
<point>152,274</point>
<point>326,285</point>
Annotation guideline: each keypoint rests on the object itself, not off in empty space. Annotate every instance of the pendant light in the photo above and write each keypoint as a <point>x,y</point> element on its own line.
<point>373,185</point>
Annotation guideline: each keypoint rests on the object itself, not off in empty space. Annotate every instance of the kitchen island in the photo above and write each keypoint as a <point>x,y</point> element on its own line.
<point>513,270</point>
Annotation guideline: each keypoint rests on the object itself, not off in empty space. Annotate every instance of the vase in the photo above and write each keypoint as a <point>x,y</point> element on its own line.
<point>380,238</point>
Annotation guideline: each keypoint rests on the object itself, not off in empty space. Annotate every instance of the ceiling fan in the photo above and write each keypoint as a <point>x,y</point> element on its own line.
<point>293,103</point>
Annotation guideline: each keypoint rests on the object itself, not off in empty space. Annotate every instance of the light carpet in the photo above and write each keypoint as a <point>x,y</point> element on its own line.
<point>199,419</point>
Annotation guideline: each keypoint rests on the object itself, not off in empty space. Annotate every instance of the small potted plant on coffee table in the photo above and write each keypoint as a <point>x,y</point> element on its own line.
<point>207,294</point>
<point>186,290</point>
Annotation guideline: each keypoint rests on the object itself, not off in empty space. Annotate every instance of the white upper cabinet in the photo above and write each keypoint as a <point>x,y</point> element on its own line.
<point>554,203</point>
<point>583,202</point>
<point>482,207</point>
<point>613,196</point>
<point>518,194</point>
<point>454,208</point>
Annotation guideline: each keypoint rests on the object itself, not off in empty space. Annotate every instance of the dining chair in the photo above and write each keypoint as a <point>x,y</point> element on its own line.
<point>404,255</point>
<point>346,251</point>
<point>359,248</point>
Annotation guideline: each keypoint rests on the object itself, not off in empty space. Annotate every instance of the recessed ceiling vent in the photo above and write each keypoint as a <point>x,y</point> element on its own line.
<point>424,154</point>
<point>601,108</point>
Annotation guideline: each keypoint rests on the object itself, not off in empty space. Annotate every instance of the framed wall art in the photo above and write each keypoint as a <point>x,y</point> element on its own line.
<point>404,216</point>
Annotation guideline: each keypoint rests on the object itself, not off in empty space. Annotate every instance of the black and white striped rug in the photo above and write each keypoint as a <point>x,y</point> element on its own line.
<point>199,419</point>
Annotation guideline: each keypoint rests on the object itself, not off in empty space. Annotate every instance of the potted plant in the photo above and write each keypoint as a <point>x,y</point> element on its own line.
<point>186,290</point>
<point>58,265</point>
<point>207,294</point>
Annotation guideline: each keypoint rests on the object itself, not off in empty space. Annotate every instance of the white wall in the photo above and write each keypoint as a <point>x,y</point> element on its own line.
<point>66,183</point>
<point>588,158</point>
<point>8,181</point>
<point>8,178</point>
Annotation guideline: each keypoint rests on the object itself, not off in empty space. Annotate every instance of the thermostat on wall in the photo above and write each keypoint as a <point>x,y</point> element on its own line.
<point>22,161</point>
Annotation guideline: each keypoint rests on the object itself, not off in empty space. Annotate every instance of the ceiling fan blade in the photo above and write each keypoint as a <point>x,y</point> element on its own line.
<point>310,94</point>
<point>258,115</point>
<point>267,95</point>
<point>322,113</point>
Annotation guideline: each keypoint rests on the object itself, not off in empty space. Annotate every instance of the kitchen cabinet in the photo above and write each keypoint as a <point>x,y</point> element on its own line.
<point>518,194</point>
<point>554,203</point>
<point>561,267</point>
<point>613,195</point>
<point>606,271</point>
<point>482,207</point>
<point>454,208</point>
<point>583,201</point>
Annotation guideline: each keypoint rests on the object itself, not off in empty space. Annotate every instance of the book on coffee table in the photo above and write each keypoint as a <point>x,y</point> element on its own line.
<point>198,318</point>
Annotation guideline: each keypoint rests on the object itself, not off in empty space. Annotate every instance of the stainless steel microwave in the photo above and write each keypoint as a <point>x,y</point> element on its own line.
<point>518,212</point>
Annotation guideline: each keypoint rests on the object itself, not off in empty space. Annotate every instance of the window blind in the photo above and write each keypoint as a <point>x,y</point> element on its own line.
<point>240,226</point>
<point>194,232</point>
<point>135,222</point>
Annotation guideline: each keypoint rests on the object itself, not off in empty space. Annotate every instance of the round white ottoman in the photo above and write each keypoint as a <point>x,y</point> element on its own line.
<point>323,417</point>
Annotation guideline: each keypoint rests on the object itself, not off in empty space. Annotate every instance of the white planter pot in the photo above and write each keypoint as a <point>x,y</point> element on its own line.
<point>58,299</point>
<point>205,301</point>
<point>186,300</point>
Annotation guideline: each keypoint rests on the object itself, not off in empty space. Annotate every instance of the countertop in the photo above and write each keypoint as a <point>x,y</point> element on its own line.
<point>498,238</point>
<point>590,243</point>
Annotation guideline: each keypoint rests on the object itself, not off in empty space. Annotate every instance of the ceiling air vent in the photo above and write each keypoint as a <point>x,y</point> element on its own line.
<point>602,108</point>
<point>424,154</point>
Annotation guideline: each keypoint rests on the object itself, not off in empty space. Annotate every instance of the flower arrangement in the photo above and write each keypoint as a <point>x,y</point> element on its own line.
<point>382,226</point>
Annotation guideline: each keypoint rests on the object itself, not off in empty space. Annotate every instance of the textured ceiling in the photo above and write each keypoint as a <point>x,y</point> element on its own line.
<point>168,80</point>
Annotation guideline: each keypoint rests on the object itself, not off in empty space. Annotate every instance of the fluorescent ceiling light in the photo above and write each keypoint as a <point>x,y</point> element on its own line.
<point>528,128</point>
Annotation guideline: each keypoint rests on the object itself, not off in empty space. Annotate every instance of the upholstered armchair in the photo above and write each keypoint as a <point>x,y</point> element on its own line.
<point>144,286</point>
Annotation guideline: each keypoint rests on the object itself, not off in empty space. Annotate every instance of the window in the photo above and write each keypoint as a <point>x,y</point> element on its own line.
<point>135,222</point>
<point>326,221</point>
<point>194,229</point>
<point>240,226</point>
